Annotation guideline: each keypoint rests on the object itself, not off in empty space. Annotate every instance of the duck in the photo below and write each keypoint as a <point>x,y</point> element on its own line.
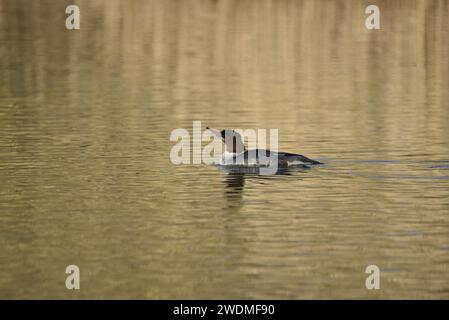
<point>236,153</point>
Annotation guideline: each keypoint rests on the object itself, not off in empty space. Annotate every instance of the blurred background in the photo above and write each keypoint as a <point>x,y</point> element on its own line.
<point>86,179</point>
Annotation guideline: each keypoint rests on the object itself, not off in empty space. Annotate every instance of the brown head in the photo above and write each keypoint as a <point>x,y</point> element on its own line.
<point>233,140</point>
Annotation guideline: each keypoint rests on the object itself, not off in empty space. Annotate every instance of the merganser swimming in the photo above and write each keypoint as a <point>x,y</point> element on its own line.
<point>237,154</point>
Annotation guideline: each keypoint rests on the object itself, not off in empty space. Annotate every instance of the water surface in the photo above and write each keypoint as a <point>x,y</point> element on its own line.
<point>86,179</point>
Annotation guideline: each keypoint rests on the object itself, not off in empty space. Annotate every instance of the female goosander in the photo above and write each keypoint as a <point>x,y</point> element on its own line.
<point>237,154</point>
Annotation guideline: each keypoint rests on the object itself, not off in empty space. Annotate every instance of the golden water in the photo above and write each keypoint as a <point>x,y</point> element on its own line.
<point>86,179</point>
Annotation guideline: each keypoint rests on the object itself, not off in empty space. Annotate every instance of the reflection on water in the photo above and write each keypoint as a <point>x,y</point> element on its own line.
<point>234,179</point>
<point>85,119</point>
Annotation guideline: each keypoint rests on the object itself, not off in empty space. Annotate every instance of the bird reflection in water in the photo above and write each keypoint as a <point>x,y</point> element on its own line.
<point>235,178</point>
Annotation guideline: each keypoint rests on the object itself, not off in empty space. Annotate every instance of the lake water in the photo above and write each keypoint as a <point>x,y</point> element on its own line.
<point>86,178</point>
